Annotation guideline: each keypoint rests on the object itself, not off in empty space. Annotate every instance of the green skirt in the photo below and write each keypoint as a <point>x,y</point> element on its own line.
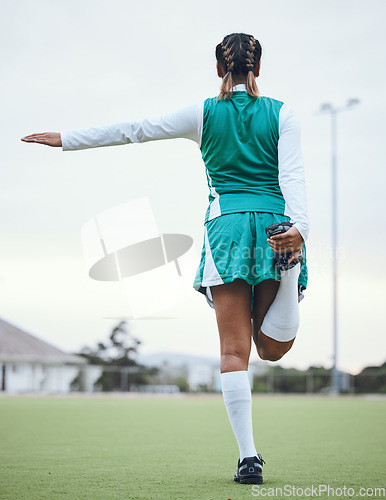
<point>235,247</point>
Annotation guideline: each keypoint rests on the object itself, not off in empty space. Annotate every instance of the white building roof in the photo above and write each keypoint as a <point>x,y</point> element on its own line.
<point>17,346</point>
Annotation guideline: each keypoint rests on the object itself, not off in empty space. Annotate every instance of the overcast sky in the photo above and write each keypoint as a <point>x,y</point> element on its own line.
<point>77,63</point>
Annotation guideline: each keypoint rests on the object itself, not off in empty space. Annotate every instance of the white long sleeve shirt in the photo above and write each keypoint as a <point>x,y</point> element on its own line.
<point>188,123</point>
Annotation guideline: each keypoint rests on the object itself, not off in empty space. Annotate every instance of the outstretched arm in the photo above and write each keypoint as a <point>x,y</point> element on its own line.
<point>183,123</point>
<point>48,138</point>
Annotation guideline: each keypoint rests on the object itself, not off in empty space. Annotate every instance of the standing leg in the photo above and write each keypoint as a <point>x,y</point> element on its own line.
<point>232,302</point>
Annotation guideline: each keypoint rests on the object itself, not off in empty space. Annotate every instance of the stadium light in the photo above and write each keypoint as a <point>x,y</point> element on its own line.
<point>329,108</point>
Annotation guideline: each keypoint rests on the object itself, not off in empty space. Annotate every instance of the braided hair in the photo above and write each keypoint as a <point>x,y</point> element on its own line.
<point>238,54</point>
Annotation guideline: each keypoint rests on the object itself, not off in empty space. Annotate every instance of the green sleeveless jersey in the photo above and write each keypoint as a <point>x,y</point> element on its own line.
<point>239,147</point>
<point>250,147</point>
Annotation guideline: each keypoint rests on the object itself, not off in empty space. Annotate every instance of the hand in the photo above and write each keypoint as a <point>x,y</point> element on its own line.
<point>48,138</point>
<point>290,241</point>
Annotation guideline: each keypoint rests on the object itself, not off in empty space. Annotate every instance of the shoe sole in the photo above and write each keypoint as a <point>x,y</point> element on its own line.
<point>252,479</point>
<point>281,261</point>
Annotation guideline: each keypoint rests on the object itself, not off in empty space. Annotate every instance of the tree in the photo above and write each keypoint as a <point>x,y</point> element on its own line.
<point>120,349</point>
<point>371,379</point>
<point>118,353</point>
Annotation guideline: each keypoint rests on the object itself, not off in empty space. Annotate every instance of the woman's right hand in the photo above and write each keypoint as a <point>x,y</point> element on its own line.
<point>290,241</point>
<point>48,138</point>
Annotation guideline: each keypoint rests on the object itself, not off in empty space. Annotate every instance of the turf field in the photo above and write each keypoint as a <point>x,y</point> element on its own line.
<point>183,448</point>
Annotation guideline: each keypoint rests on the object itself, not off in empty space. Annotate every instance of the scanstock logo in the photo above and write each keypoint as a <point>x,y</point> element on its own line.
<point>123,245</point>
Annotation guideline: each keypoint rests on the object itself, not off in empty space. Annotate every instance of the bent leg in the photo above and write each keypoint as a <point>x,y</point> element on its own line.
<point>276,317</point>
<point>270,349</point>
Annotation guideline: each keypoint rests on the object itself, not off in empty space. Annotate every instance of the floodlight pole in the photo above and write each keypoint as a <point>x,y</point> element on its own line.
<point>329,108</point>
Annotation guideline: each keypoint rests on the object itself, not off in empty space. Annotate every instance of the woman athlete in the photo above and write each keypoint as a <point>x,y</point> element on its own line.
<point>251,149</point>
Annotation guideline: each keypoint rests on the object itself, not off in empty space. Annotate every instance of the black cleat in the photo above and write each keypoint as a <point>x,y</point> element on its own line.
<point>250,470</point>
<point>281,259</point>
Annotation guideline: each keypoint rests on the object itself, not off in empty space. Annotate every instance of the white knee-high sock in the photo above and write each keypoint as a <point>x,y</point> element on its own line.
<point>238,403</point>
<point>282,319</point>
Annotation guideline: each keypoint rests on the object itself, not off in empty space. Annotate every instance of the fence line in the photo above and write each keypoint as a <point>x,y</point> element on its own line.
<point>312,381</point>
<point>272,381</point>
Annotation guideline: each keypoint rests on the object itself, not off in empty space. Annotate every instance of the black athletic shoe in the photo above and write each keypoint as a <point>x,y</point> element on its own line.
<point>250,470</point>
<point>281,259</point>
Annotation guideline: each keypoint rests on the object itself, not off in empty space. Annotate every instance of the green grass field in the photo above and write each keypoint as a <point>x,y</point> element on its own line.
<point>183,448</point>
